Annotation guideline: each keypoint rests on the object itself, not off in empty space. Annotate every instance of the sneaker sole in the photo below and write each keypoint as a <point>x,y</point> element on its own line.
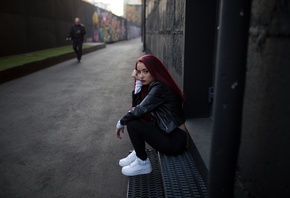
<point>137,173</point>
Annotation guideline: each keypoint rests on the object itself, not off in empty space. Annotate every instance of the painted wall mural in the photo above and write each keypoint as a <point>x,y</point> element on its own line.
<point>133,32</point>
<point>108,27</point>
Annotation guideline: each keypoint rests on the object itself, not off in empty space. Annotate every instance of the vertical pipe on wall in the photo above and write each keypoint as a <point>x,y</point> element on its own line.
<point>144,24</point>
<point>229,89</point>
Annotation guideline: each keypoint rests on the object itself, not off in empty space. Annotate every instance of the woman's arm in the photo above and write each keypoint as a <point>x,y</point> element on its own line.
<point>154,98</point>
<point>138,86</point>
<point>136,95</point>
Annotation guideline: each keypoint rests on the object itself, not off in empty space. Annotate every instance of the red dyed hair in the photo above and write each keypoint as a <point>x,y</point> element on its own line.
<point>159,73</point>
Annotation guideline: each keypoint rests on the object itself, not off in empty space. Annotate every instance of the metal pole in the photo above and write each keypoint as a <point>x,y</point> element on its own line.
<point>229,90</point>
<point>144,24</point>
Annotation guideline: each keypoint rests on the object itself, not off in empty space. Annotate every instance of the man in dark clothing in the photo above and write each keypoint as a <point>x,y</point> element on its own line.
<point>76,34</point>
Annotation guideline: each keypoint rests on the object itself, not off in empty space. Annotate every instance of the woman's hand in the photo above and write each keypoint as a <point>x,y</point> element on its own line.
<point>135,75</point>
<point>118,132</point>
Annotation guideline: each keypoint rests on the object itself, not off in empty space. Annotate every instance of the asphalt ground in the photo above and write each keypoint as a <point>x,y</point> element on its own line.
<point>57,127</point>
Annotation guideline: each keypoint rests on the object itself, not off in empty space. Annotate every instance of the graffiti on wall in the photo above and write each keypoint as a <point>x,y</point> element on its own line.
<point>133,32</point>
<point>108,27</point>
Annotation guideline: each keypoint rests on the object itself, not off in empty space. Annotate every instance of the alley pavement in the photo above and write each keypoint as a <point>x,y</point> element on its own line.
<point>57,127</point>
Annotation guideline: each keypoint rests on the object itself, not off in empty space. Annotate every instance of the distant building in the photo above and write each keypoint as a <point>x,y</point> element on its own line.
<point>133,2</point>
<point>100,4</point>
<point>133,10</point>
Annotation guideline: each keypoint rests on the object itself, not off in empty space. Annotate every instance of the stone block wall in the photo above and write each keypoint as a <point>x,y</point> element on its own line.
<point>164,34</point>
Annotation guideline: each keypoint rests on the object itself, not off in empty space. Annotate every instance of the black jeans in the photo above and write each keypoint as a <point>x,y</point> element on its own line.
<point>141,131</point>
<point>77,46</point>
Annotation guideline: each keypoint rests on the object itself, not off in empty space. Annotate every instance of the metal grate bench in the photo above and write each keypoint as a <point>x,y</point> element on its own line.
<point>172,176</point>
<point>149,185</point>
<point>181,177</point>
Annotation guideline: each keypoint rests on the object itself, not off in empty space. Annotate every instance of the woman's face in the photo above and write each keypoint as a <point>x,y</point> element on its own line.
<point>143,74</point>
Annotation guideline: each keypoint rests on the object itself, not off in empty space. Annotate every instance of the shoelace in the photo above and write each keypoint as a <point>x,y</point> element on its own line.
<point>134,163</point>
<point>138,162</point>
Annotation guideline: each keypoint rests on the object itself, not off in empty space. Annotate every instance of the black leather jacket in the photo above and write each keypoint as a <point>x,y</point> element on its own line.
<point>162,103</point>
<point>77,32</point>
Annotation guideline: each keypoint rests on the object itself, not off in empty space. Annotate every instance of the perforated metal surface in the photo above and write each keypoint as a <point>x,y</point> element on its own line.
<point>181,177</point>
<point>149,185</point>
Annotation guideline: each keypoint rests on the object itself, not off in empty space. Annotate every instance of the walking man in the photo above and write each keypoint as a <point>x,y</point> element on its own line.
<point>76,34</point>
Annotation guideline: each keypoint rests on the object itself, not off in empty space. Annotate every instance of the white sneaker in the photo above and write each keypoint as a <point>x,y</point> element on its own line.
<point>138,167</point>
<point>128,160</point>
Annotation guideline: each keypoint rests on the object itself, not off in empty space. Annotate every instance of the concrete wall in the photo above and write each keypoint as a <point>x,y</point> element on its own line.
<point>164,33</point>
<point>30,25</point>
<point>263,165</point>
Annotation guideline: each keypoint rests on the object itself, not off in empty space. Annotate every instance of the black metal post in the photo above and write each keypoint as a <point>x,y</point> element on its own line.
<point>229,90</point>
<point>144,24</point>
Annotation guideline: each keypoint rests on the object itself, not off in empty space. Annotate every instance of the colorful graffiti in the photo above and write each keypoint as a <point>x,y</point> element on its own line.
<point>96,26</point>
<point>108,27</point>
<point>133,32</point>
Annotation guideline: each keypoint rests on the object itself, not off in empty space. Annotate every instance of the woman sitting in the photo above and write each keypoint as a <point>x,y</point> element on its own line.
<point>156,117</point>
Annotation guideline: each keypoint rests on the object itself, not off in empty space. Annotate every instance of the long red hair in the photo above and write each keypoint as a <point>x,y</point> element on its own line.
<point>159,73</point>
